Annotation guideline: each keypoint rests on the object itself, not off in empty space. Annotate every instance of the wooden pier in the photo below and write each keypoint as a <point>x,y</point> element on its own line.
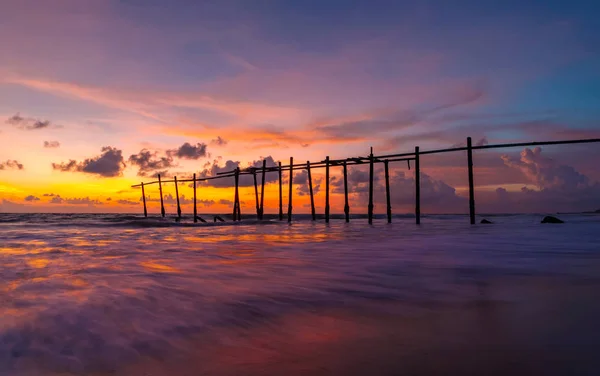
<point>327,163</point>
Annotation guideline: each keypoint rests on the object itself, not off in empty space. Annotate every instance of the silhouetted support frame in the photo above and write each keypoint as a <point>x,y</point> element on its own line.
<point>387,191</point>
<point>291,187</point>
<point>256,195</point>
<point>280,194</point>
<point>327,189</point>
<point>177,195</point>
<point>162,204</point>
<point>195,206</point>
<point>346,204</point>
<point>144,200</point>
<point>371,163</point>
<point>406,156</point>
<point>312,197</point>
<point>471,183</point>
<point>417,187</point>
<point>262,190</point>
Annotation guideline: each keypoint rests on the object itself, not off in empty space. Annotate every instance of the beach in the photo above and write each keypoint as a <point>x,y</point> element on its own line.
<point>121,295</point>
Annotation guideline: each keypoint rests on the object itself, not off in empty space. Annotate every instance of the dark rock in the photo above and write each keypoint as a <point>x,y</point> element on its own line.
<point>486,222</point>
<point>551,219</point>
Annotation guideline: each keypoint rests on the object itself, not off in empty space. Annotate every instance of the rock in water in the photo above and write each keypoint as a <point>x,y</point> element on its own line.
<point>486,222</point>
<point>551,219</point>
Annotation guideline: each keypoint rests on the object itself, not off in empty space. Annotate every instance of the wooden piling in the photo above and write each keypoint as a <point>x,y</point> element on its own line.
<point>144,200</point>
<point>371,163</point>
<point>346,205</point>
<point>162,204</point>
<point>291,186</point>
<point>471,184</point>
<point>177,195</point>
<point>256,194</point>
<point>387,191</point>
<point>237,195</point>
<point>280,195</point>
<point>417,187</point>
<point>310,188</point>
<point>236,179</point>
<point>195,208</point>
<point>327,189</point>
<point>262,190</point>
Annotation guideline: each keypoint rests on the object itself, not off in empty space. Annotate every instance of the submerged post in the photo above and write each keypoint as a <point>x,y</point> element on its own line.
<point>346,205</point>
<point>280,195</point>
<point>471,185</point>
<point>310,188</point>
<point>371,161</point>
<point>144,200</point>
<point>417,187</point>
<point>327,189</point>
<point>256,194</point>
<point>262,189</point>
<point>195,209</point>
<point>162,204</point>
<point>177,194</point>
<point>387,191</point>
<point>290,194</point>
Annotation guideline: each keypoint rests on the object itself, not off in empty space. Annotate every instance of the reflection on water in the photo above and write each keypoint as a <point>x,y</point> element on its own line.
<point>80,296</point>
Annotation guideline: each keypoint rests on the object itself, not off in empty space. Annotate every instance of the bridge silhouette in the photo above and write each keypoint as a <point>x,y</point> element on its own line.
<point>327,164</point>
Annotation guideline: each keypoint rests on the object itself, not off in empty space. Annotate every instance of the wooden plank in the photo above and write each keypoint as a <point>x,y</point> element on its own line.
<point>162,204</point>
<point>471,183</point>
<point>312,197</point>
<point>346,204</point>
<point>371,160</point>
<point>291,191</point>
<point>327,189</point>
<point>177,195</point>
<point>262,190</point>
<point>387,191</point>
<point>195,207</point>
<point>280,195</point>
<point>256,195</point>
<point>144,200</point>
<point>417,187</point>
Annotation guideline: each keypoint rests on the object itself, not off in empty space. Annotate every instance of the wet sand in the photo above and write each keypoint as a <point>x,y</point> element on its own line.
<point>552,330</point>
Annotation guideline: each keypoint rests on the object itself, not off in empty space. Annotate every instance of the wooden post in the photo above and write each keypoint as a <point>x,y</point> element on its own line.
<point>417,187</point>
<point>387,191</point>
<point>471,184</point>
<point>280,195</point>
<point>236,198</point>
<point>327,189</point>
<point>177,195</point>
<point>262,190</point>
<point>195,208</point>
<point>346,205</point>
<point>290,194</point>
<point>162,204</point>
<point>371,162</point>
<point>310,188</point>
<point>256,194</point>
<point>144,199</point>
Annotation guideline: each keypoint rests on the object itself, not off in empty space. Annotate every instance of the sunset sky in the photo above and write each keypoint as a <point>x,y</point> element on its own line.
<point>97,95</point>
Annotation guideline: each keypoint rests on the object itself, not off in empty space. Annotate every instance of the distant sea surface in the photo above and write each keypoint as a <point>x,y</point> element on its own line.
<point>86,294</point>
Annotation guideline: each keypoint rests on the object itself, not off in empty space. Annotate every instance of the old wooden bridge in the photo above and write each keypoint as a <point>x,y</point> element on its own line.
<point>344,163</point>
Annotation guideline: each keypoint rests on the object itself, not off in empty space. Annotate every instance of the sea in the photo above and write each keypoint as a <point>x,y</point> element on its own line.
<point>106,294</point>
